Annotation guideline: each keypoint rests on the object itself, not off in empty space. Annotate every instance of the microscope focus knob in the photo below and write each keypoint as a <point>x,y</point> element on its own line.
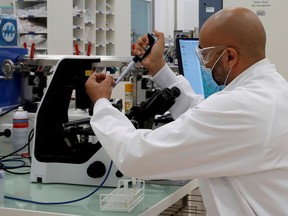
<point>96,170</point>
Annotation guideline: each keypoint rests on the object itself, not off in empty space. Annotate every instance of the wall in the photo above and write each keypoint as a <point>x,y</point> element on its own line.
<point>187,14</point>
<point>273,15</point>
<point>122,27</point>
<point>141,17</point>
<point>6,6</point>
<point>6,2</point>
<point>164,16</point>
<point>59,36</point>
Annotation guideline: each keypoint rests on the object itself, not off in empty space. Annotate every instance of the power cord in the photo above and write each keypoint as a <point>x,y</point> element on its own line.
<point>23,163</point>
<point>30,137</point>
<point>65,202</point>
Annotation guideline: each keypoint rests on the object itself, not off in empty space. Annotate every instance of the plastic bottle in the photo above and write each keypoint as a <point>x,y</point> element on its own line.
<point>2,185</point>
<point>20,130</point>
<point>129,88</point>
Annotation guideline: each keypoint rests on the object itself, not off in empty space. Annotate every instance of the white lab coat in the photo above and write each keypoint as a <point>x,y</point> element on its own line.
<point>235,142</point>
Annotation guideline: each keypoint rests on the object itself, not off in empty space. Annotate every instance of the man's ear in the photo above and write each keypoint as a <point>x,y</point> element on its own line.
<point>232,56</point>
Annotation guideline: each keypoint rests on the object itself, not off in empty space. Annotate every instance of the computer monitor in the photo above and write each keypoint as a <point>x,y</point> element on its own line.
<point>189,65</point>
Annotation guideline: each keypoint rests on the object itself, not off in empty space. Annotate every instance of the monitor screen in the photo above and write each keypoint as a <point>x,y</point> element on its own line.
<point>189,65</point>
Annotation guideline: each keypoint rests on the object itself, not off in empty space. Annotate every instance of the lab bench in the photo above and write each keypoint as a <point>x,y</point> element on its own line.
<point>157,198</point>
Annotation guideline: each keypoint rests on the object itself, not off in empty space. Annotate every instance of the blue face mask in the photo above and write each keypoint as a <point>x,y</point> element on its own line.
<point>209,84</point>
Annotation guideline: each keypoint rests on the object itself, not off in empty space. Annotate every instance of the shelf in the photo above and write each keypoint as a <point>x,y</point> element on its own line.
<point>89,23</point>
<point>30,1</point>
<point>32,21</point>
<point>31,17</point>
<point>78,27</point>
<point>33,33</point>
<point>100,22</point>
<point>30,8</point>
<point>78,40</point>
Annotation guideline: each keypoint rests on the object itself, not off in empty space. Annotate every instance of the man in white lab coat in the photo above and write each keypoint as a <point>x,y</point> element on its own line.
<point>235,142</point>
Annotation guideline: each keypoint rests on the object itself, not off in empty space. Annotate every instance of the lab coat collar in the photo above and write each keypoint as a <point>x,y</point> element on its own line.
<point>248,72</point>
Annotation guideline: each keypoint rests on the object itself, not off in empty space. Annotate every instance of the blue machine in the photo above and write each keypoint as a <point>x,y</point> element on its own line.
<point>10,89</point>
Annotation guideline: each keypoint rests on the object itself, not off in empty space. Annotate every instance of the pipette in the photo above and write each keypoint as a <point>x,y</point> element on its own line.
<point>137,58</point>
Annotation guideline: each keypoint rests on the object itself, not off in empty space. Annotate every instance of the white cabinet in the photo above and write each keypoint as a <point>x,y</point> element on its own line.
<point>84,27</point>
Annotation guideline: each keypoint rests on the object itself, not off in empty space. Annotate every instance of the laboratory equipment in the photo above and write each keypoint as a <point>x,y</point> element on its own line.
<point>10,79</point>
<point>125,197</point>
<point>65,148</point>
<point>137,58</point>
<point>143,115</point>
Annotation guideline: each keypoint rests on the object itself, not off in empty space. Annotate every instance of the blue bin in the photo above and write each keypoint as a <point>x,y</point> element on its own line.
<point>10,90</point>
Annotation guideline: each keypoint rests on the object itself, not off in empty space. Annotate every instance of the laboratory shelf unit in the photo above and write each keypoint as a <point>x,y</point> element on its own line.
<point>95,27</point>
<point>46,23</point>
<point>32,21</point>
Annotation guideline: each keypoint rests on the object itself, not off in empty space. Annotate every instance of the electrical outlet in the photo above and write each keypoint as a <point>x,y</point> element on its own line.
<point>4,139</point>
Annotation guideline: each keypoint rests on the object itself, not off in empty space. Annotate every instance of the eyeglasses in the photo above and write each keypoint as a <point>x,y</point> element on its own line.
<point>205,55</point>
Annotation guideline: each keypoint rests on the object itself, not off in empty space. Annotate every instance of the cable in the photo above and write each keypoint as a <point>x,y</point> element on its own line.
<point>65,202</point>
<point>4,113</point>
<point>23,163</point>
<point>30,137</point>
<point>15,107</point>
<point>17,173</point>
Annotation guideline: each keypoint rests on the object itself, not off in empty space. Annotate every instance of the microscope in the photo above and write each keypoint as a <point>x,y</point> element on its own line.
<point>66,150</point>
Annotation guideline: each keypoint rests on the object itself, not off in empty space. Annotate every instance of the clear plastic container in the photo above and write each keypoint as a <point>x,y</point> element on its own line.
<point>125,197</point>
<point>20,130</point>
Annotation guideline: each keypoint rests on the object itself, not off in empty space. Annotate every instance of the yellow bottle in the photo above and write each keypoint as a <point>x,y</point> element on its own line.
<point>129,88</point>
